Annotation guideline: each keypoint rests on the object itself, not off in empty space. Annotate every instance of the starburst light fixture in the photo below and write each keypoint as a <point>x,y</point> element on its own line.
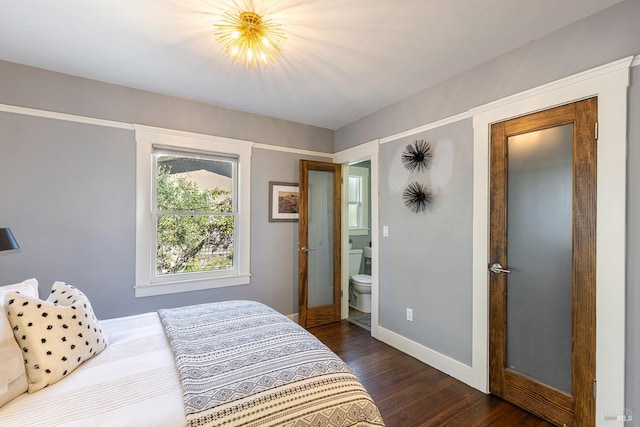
<point>249,38</point>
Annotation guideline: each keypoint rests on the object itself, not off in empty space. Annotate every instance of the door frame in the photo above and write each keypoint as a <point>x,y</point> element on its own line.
<point>364,151</point>
<point>609,83</point>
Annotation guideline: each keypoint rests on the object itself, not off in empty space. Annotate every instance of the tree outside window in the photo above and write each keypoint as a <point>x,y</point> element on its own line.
<point>194,210</point>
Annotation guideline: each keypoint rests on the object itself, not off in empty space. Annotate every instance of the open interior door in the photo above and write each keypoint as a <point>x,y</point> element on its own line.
<point>319,248</point>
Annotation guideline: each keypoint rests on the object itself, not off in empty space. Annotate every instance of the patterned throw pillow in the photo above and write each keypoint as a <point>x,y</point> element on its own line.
<point>56,335</point>
<point>13,377</point>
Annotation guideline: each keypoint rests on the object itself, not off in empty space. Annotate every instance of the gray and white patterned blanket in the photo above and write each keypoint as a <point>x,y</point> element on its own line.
<point>242,363</point>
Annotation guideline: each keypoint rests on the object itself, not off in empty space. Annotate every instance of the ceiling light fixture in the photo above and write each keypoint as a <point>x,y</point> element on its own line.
<point>249,38</point>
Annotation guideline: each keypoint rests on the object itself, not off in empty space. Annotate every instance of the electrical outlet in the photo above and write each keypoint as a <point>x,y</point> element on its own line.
<point>410,314</point>
<point>385,231</point>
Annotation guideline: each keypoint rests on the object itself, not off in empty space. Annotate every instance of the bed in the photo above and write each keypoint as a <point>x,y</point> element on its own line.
<point>234,363</point>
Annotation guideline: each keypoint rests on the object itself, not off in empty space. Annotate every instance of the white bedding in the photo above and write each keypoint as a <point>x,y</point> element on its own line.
<point>137,370</point>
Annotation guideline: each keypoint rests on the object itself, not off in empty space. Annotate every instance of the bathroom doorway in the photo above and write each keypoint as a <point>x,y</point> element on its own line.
<point>358,210</point>
<point>367,152</point>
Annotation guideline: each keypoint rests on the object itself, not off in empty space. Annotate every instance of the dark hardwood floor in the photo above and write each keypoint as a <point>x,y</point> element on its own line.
<point>412,394</point>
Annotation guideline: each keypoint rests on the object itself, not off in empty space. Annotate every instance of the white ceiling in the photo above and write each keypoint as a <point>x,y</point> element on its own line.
<point>342,59</point>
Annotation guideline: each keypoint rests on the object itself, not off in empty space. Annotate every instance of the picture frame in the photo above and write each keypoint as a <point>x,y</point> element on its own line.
<point>283,201</point>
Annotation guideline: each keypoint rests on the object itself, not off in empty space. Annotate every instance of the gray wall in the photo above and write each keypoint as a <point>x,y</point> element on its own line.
<point>425,263</point>
<point>608,36</point>
<point>46,90</point>
<point>68,189</point>
<point>596,40</point>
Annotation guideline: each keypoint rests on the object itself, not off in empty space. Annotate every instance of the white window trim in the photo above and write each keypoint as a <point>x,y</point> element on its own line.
<point>146,139</point>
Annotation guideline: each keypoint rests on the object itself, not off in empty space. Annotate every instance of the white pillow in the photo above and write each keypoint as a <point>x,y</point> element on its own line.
<point>13,377</point>
<point>56,335</point>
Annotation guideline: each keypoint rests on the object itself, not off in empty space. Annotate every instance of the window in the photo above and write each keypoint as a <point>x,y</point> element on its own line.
<point>192,212</point>
<point>355,201</point>
<point>358,200</point>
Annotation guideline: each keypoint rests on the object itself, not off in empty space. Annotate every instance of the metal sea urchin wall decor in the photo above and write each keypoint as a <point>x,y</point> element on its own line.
<point>417,197</point>
<point>417,156</point>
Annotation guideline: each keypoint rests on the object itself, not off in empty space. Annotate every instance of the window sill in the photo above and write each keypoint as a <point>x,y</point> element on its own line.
<point>167,288</point>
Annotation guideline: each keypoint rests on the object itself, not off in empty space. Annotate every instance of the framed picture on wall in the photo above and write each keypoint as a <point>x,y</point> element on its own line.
<point>283,201</point>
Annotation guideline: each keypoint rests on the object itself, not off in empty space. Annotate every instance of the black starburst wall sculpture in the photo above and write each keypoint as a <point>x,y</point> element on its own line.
<point>417,156</point>
<point>417,197</point>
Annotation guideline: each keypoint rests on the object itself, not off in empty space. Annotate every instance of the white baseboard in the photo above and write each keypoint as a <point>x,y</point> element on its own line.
<point>439,361</point>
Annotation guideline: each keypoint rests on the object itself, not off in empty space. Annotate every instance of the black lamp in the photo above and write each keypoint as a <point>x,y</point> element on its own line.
<point>7,241</point>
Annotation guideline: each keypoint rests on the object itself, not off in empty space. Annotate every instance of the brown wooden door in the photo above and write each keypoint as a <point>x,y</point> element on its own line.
<point>542,309</point>
<point>319,248</point>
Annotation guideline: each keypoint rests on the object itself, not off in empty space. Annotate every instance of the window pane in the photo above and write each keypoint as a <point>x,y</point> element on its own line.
<point>355,201</point>
<point>193,184</point>
<point>193,243</point>
<point>355,185</point>
<point>353,216</point>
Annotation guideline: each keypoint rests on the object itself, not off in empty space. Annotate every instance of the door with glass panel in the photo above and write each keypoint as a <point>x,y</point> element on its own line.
<point>542,262</point>
<point>319,272</point>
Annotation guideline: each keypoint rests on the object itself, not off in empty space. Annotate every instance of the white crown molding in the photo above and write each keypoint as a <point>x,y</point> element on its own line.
<point>291,150</point>
<point>74,118</point>
<point>150,132</point>
<point>630,61</point>
<point>356,153</point>
<point>576,79</point>
<point>63,116</point>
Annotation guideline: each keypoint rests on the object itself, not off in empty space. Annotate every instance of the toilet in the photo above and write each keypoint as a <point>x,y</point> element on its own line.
<point>359,284</point>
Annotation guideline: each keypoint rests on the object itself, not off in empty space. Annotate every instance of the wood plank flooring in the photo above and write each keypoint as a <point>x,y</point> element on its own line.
<point>412,394</point>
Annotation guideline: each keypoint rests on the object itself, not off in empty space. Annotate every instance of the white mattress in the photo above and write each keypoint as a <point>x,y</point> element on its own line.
<point>137,371</point>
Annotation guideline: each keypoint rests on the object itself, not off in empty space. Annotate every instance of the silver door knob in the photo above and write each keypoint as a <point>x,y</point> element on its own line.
<point>497,268</point>
<point>304,249</point>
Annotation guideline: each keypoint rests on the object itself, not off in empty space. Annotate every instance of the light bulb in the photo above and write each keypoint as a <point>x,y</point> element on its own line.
<point>250,39</point>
